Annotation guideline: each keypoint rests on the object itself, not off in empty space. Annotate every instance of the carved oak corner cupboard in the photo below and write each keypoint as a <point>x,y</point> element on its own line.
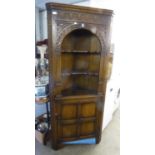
<point>79,43</point>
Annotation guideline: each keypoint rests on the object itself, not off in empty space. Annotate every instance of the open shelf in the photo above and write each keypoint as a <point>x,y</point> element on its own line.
<point>80,63</point>
<point>80,52</point>
<point>80,73</point>
<point>74,92</point>
<point>79,85</point>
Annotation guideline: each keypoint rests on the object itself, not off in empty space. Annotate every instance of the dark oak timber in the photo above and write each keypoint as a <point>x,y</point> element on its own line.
<point>79,46</point>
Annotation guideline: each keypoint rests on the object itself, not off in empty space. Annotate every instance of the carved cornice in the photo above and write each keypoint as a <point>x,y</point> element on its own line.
<point>82,17</point>
<point>83,9</point>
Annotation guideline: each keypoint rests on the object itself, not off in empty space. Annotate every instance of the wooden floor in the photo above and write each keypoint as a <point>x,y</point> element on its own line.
<point>110,143</point>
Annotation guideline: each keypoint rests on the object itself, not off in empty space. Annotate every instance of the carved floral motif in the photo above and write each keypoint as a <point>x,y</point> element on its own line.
<point>86,17</point>
<point>64,28</point>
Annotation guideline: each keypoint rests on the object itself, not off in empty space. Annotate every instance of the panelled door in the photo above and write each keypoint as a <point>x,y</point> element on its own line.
<point>75,119</point>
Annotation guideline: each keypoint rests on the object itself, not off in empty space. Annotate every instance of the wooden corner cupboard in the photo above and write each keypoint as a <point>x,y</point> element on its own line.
<point>79,46</point>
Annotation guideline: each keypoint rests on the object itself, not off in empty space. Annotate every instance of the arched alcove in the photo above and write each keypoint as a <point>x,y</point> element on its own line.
<point>80,62</point>
<point>81,40</point>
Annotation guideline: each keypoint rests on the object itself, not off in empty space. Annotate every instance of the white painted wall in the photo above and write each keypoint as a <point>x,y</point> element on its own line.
<point>37,24</point>
<point>43,26</point>
<point>106,4</point>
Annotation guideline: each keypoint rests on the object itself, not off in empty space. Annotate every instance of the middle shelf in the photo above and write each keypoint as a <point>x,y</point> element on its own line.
<point>80,52</point>
<point>79,73</point>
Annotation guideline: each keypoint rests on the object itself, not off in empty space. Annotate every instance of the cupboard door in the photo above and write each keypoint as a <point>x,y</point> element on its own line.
<point>75,120</point>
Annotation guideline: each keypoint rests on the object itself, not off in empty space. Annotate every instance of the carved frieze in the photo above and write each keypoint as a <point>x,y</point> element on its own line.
<point>65,27</point>
<point>79,16</point>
